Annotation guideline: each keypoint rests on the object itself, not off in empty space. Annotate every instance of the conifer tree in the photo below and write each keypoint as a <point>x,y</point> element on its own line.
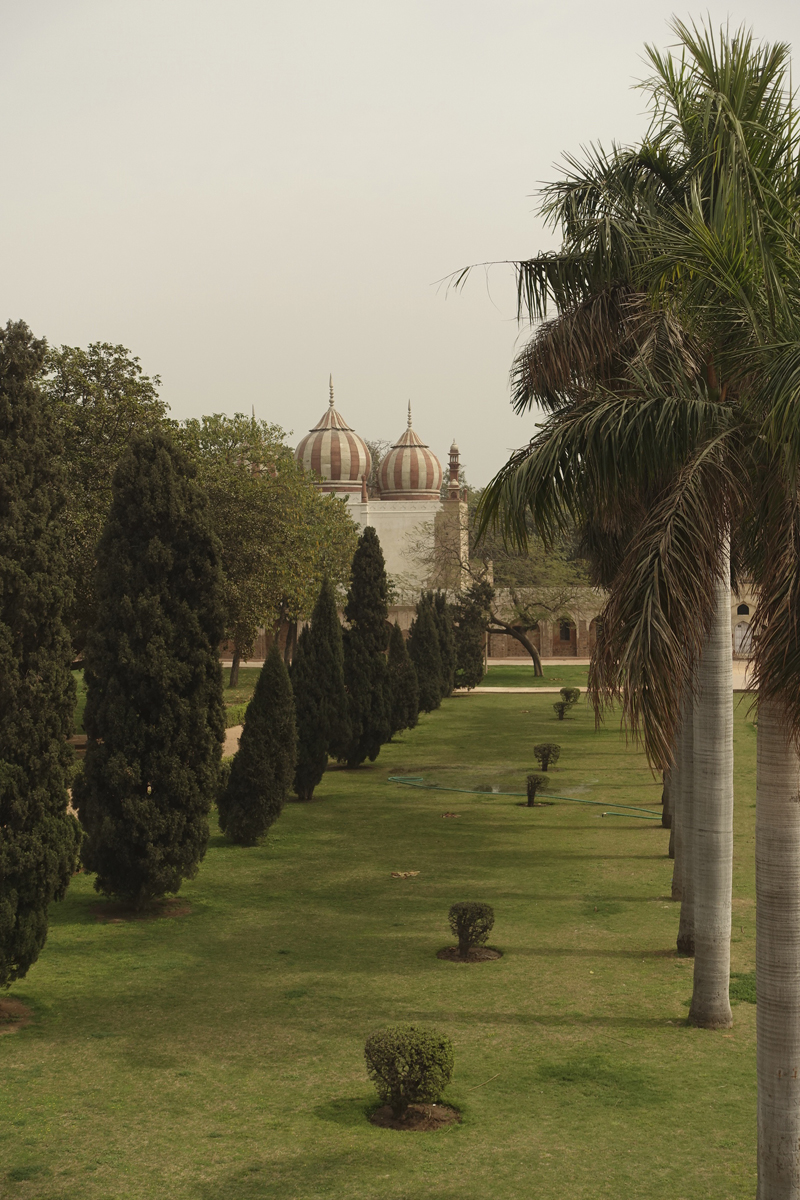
<point>263,769</point>
<point>471,618</point>
<point>365,641</point>
<point>320,698</point>
<point>154,712</point>
<point>38,839</point>
<point>403,686</point>
<point>443,616</point>
<point>423,649</point>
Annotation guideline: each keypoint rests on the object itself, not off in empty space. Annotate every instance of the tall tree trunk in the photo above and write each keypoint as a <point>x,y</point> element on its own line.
<point>777,957</point>
<point>234,676</point>
<point>684,859</point>
<point>523,641</point>
<point>291,642</point>
<point>676,832</point>
<point>666,799</point>
<point>712,819</point>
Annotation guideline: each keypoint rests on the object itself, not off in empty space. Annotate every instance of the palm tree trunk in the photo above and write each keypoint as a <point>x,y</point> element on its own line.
<point>684,859</point>
<point>676,832</point>
<point>666,799</point>
<point>712,820</point>
<point>777,957</point>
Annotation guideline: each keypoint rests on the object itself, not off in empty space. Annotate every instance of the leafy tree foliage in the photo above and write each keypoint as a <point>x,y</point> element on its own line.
<point>471,922</point>
<point>403,686</point>
<point>365,642</point>
<point>102,400</point>
<point>536,783</point>
<point>38,839</point>
<point>425,653</point>
<point>443,616</point>
<point>546,753</point>
<point>409,1065</point>
<point>561,708</point>
<point>323,720</point>
<point>154,713</point>
<point>280,536</point>
<point>471,617</point>
<point>262,770</point>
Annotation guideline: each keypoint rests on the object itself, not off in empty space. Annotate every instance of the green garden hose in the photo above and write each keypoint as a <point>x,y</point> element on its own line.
<point>629,809</point>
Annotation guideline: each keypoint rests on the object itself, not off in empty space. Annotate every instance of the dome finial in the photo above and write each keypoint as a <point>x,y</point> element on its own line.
<point>409,414</point>
<point>330,385</point>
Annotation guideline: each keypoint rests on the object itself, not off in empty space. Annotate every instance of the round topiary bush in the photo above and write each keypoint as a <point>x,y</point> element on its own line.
<point>560,708</point>
<point>471,923</point>
<point>547,753</point>
<point>536,783</point>
<point>409,1065</point>
<point>570,695</point>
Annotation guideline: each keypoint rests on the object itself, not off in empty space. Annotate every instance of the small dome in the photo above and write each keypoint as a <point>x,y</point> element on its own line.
<point>333,451</point>
<point>410,471</point>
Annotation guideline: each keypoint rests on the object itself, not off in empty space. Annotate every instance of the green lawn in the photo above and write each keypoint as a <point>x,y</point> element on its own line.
<point>218,1056</point>
<point>554,676</point>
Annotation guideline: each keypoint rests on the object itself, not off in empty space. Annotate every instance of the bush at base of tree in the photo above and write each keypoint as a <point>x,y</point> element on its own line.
<point>320,698</point>
<point>154,711</point>
<point>409,1065</point>
<point>423,649</point>
<point>471,922</point>
<point>403,686</point>
<point>560,708</point>
<point>536,784</point>
<point>546,753</point>
<point>263,768</point>
<point>38,838</point>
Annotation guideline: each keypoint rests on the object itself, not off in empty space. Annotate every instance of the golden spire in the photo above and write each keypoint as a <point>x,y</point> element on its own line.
<point>409,414</point>
<point>330,384</point>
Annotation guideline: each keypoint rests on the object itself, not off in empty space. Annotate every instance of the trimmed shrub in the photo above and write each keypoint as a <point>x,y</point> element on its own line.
<point>471,616</point>
<point>39,839</point>
<point>536,784</point>
<point>321,703</point>
<point>154,717</point>
<point>471,922</point>
<point>409,1065</point>
<point>403,686</point>
<point>263,768</point>
<point>443,619</point>
<point>561,708</point>
<point>423,648</point>
<point>365,643</point>
<point>569,695</point>
<point>546,753</point>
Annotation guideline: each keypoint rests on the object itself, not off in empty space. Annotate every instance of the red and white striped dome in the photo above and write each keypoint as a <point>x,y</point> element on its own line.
<point>333,451</point>
<point>410,471</point>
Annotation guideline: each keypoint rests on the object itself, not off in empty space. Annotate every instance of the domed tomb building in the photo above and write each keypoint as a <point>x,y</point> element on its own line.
<point>423,530</point>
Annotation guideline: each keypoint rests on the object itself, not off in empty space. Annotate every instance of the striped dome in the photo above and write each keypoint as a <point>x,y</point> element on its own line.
<point>410,471</point>
<point>333,451</point>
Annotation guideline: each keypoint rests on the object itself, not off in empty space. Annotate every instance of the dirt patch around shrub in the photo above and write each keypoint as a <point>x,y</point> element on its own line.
<point>477,954</point>
<point>13,1014</point>
<point>418,1118</point>
<point>114,912</point>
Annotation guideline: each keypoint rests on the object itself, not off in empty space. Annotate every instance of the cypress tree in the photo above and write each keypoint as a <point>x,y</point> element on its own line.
<point>423,649</point>
<point>154,711</point>
<point>38,839</point>
<point>443,615</point>
<point>319,693</point>
<point>263,769</point>
<point>403,686</point>
<point>471,618</point>
<point>365,641</point>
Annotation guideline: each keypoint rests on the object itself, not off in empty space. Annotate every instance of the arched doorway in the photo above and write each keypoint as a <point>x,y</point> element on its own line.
<point>742,640</point>
<point>565,642</point>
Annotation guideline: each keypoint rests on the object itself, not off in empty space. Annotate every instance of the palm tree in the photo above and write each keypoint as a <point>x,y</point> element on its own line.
<point>677,443</point>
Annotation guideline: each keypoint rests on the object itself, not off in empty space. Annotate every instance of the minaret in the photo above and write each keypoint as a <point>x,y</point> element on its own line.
<point>453,490</point>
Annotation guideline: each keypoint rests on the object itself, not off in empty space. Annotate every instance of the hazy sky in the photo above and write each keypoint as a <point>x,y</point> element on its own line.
<point>250,194</point>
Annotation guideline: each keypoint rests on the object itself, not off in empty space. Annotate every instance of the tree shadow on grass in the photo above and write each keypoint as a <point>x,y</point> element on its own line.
<point>350,1112</point>
<point>553,1021</point>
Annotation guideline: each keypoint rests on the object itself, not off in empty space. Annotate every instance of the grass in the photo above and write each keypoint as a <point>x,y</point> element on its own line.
<point>554,676</point>
<point>236,699</point>
<point>220,1054</point>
